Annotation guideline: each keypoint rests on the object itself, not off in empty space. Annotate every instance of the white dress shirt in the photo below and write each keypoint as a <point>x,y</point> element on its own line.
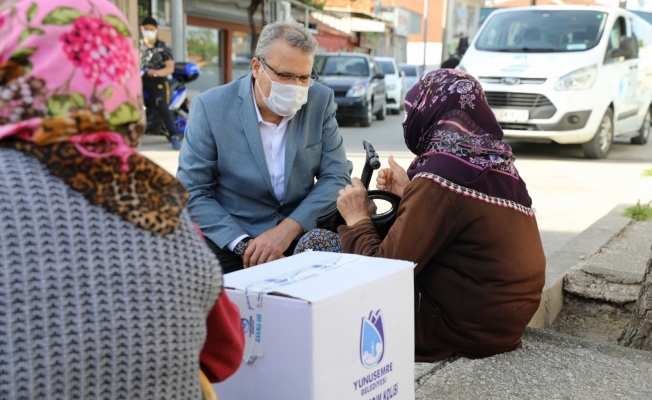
<point>274,139</point>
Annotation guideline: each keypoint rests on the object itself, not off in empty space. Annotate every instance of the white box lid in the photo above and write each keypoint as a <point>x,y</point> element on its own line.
<point>294,276</point>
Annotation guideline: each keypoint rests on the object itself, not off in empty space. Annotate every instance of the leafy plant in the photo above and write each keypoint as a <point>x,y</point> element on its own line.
<point>647,172</point>
<point>639,212</point>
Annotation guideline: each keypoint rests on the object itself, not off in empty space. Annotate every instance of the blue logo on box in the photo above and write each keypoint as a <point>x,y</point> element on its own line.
<point>248,326</point>
<point>372,339</point>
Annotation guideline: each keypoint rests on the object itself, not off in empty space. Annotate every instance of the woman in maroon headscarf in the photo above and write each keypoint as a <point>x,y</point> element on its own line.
<point>465,219</point>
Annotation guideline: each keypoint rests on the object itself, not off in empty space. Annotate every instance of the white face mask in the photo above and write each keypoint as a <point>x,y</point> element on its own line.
<point>284,100</point>
<point>149,35</point>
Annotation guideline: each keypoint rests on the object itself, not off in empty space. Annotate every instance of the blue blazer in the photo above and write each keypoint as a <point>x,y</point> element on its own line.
<point>222,163</point>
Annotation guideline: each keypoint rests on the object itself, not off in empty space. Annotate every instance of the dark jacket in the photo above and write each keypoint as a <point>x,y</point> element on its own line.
<point>479,275</point>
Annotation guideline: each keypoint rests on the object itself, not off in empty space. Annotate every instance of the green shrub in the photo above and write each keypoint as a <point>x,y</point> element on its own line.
<point>639,212</point>
<point>647,172</point>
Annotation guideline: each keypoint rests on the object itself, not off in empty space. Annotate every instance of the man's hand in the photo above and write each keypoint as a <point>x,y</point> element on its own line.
<point>352,202</point>
<point>393,179</point>
<point>270,245</point>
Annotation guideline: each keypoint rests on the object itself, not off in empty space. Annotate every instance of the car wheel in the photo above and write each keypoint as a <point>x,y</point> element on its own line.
<point>644,132</point>
<point>380,115</point>
<point>600,145</point>
<point>366,120</point>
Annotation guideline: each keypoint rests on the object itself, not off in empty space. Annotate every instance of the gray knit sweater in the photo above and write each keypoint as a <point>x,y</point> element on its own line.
<point>91,306</point>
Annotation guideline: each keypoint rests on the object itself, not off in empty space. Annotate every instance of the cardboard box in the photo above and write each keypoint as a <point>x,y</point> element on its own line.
<point>324,326</point>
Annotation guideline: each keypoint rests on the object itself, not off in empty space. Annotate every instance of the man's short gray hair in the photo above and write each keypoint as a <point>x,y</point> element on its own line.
<point>294,33</point>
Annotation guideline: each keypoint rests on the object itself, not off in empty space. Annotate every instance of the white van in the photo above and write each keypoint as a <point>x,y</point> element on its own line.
<point>567,74</point>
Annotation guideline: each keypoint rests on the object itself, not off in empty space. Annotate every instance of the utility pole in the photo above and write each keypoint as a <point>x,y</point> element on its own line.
<point>178,31</point>
<point>425,32</point>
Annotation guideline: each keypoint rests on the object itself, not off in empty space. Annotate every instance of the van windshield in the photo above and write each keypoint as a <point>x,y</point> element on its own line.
<point>542,31</point>
<point>341,65</point>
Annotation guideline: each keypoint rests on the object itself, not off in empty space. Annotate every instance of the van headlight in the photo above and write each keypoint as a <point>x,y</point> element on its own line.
<point>582,78</point>
<point>391,87</point>
<point>357,90</point>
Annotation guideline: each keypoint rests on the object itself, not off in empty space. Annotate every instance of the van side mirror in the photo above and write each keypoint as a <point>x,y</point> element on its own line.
<point>627,49</point>
<point>379,75</point>
<point>628,44</point>
<point>402,73</point>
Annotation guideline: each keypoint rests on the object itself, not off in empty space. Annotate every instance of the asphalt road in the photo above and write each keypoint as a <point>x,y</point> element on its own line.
<point>569,192</point>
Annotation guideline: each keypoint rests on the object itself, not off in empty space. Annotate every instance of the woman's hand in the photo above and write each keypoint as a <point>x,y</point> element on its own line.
<point>352,202</point>
<point>393,179</point>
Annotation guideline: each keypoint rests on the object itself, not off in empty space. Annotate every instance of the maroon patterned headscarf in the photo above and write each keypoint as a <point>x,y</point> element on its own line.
<point>451,129</point>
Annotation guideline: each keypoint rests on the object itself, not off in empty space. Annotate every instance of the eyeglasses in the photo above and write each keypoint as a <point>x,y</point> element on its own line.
<point>288,77</point>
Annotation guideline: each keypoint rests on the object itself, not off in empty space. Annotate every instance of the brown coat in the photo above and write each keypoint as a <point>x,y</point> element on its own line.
<point>479,275</point>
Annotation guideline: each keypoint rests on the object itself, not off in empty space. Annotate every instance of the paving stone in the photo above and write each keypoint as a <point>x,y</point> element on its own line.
<point>549,366</point>
<point>615,273</point>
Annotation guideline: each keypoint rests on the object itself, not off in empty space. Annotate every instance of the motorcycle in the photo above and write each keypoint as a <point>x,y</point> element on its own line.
<point>184,72</point>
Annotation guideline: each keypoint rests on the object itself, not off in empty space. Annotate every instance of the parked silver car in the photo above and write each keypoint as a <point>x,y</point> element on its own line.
<point>394,81</point>
<point>358,83</point>
<point>412,74</point>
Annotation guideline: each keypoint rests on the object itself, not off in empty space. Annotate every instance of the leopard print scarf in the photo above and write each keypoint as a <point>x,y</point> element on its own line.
<point>71,95</point>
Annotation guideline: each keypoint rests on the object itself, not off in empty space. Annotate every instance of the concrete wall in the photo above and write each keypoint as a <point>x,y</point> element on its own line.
<point>415,44</point>
<point>435,9</point>
<point>433,54</point>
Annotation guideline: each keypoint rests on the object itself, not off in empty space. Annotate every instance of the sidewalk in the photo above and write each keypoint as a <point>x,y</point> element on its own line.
<point>616,272</point>
<point>548,366</point>
<point>579,248</point>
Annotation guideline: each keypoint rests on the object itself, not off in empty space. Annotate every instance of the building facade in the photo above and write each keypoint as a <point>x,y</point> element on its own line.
<point>444,23</point>
<point>217,35</point>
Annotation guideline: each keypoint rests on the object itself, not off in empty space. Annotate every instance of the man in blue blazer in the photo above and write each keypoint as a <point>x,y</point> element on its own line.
<point>262,156</point>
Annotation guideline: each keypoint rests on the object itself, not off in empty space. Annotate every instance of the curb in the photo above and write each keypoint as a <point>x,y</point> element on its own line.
<point>585,244</point>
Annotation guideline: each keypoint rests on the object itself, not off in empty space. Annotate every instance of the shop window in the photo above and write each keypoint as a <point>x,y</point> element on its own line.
<point>159,9</point>
<point>241,54</point>
<point>203,46</point>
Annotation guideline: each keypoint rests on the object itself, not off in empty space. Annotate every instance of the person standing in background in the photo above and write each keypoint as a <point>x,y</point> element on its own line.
<point>156,57</point>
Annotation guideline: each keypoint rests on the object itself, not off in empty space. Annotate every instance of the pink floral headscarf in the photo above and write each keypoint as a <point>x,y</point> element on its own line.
<point>451,129</point>
<point>71,94</point>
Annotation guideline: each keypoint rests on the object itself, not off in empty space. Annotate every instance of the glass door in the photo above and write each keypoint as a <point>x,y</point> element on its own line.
<point>203,46</point>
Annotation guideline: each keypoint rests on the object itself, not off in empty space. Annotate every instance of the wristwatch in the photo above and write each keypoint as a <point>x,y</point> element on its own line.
<point>240,248</point>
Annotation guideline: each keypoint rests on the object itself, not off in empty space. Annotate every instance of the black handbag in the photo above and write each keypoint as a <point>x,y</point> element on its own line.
<point>382,222</point>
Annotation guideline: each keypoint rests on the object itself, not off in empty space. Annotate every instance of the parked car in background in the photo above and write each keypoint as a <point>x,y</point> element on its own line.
<point>567,74</point>
<point>358,83</point>
<point>413,73</point>
<point>395,82</point>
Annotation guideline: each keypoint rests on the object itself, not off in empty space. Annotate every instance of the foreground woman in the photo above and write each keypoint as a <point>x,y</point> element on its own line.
<point>105,285</point>
<point>465,219</point>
